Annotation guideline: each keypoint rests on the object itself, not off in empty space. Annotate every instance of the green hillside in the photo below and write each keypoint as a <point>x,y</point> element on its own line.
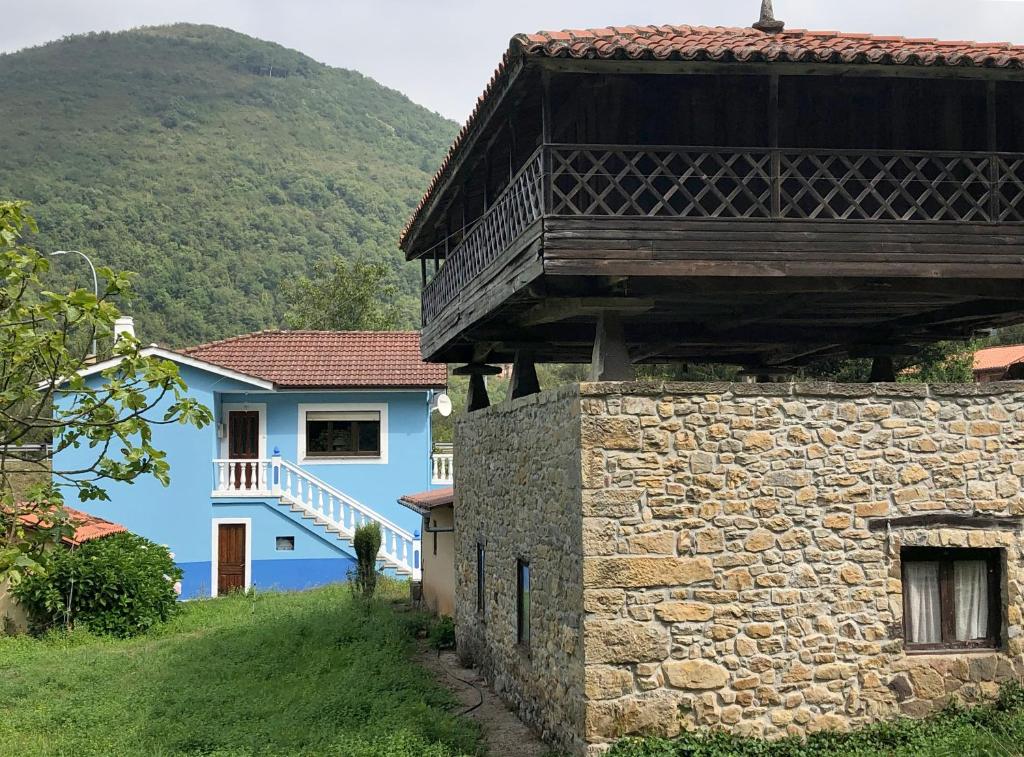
<point>213,164</point>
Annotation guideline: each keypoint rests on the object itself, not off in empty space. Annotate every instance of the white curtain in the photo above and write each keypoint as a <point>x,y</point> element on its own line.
<point>923,599</point>
<point>970,589</point>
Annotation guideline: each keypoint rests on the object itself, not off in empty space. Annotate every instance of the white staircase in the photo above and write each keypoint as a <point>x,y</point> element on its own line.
<point>328,509</point>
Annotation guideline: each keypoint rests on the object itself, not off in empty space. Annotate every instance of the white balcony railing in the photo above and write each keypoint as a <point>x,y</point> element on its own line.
<point>442,468</point>
<point>241,477</point>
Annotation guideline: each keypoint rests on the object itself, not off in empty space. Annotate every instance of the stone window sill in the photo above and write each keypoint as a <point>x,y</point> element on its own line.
<point>948,651</point>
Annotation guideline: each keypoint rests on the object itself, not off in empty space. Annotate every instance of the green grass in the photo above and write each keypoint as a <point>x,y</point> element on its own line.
<point>995,730</point>
<point>308,673</point>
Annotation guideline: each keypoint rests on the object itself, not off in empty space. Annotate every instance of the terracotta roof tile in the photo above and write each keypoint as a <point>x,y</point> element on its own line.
<point>327,359</point>
<point>998,357</point>
<point>87,527</point>
<point>424,501</point>
<point>723,44</point>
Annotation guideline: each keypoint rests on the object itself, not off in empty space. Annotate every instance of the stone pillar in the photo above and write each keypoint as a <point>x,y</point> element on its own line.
<point>611,360</point>
<point>524,376</point>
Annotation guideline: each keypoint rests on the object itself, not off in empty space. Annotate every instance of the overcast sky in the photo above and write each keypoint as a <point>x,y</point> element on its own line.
<point>442,52</point>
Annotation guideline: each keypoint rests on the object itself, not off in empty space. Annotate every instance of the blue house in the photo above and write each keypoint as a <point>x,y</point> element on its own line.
<point>315,432</point>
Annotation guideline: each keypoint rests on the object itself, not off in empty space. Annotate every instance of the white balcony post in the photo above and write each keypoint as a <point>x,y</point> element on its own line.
<point>275,472</point>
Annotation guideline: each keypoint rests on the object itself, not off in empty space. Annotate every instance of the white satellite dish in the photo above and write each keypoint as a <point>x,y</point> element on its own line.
<point>443,404</point>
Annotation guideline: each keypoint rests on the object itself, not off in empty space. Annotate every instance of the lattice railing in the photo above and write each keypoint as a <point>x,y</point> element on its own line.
<point>670,182</point>
<point>519,205</point>
<point>703,182</point>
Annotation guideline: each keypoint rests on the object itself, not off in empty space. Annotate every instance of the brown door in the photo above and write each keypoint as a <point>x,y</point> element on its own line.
<point>230,557</point>
<point>244,444</point>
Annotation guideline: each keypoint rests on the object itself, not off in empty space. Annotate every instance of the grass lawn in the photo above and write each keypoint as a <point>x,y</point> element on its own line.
<point>299,674</point>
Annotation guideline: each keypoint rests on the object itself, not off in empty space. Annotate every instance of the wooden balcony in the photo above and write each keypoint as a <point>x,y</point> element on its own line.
<point>693,212</point>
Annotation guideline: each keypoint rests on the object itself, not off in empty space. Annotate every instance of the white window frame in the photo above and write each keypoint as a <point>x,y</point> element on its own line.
<point>227,407</point>
<point>216,523</point>
<point>343,407</point>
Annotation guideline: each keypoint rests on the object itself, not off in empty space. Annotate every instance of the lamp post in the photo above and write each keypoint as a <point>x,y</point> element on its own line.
<point>95,282</point>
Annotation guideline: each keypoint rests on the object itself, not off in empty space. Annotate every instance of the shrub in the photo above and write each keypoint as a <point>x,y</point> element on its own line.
<point>120,585</point>
<point>367,544</point>
<point>442,633</point>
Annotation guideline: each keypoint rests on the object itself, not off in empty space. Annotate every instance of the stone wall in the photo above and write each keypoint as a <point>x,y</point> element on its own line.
<point>517,492</point>
<point>740,546</point>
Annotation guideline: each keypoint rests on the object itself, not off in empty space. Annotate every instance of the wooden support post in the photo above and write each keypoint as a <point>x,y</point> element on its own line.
<point>773,139</point>
<point>524,376</point>
<point>423,270</point>
<point>477,398</point>
<point>882,370</point>
<point>611,361</point>
<point>992,139</point>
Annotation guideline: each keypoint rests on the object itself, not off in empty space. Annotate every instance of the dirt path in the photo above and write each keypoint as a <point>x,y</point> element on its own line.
<point>506,735</point>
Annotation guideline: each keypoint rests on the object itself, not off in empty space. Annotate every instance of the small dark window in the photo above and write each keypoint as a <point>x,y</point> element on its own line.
<point>342,434</point>
<point>523,602</point>
<point>285,543</point>
<point>480,555</point>
<point>951,598</point>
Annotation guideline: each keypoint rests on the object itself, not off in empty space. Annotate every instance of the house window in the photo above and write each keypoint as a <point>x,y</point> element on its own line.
<point>480,555</point>
<point>285,543</point>
<point>342,434</point>
<point>951,598</point>
<point>523,602</point>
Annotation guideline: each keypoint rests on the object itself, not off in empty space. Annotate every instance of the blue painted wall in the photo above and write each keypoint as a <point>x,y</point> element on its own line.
<point>181,515</point>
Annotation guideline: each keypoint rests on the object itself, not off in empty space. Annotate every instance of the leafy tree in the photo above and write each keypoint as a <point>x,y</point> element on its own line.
<point>45,341</point>
<point>345,295</point>
<point>942,362</point>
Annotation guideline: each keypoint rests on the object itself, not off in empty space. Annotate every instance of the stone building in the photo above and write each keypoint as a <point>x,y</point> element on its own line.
<point>739,555</point>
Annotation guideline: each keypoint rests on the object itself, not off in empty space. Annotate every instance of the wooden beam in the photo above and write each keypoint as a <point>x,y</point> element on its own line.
<point>882,369</point>
<point>554,310</point>
<point>524,376</point>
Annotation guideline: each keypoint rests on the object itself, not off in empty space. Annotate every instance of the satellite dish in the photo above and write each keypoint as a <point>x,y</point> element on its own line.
<point>443,404</point>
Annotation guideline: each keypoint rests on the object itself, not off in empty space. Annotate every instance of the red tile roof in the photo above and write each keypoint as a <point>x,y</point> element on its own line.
<point>327,359</point>
<point>998,357</point>
<point>87,527</point>
<point>426,501</point>
<point>727,45</point>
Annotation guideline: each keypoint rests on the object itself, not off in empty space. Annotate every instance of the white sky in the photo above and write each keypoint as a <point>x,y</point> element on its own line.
<point>442,52</point>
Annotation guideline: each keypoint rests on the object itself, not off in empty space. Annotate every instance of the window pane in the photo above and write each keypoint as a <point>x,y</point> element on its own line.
<point>922,611</point>
<point>318,437</point>
<point>369,436</point>
<point>970,597</point>
<point>343,437</point>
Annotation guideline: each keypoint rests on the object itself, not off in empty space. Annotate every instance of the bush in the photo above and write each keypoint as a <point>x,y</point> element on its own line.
<point>119,585</point>
<point>367,544</point>
<point>442,633</point>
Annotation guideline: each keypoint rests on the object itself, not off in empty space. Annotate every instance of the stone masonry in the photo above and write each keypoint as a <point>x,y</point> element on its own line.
<point>728,555</point>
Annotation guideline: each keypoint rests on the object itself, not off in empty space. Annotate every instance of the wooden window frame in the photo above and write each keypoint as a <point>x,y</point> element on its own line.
<point>523,628</point>
<point>481,573</point>
<point>335,454</point>
<point>946,556</point>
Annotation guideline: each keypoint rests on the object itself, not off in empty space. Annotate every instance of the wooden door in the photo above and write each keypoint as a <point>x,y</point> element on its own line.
<point>230,557</point>
<point>244,444</point>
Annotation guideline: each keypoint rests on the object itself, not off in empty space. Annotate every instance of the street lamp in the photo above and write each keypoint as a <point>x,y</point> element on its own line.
<point>95,282</point>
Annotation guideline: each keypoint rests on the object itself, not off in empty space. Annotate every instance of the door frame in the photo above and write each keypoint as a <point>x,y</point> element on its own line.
<point>216,523</point>
<point>259,407</point>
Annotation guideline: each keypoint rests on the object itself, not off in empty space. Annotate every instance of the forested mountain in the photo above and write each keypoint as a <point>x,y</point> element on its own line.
<point>215,165</point>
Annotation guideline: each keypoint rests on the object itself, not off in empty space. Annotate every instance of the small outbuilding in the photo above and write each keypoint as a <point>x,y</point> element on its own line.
<point>437,508</point>
<point>87,528</point>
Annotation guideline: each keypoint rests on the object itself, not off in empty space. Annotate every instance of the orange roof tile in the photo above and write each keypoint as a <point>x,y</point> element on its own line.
<point>727,45</point>
<point>426,501</point>
<point>992,358</point>
<point>327,359</point>
<point>87,527</point>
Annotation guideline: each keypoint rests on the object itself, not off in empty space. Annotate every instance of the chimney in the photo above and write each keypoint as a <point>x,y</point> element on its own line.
<point>124,325</point>
<point>767,22</point>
